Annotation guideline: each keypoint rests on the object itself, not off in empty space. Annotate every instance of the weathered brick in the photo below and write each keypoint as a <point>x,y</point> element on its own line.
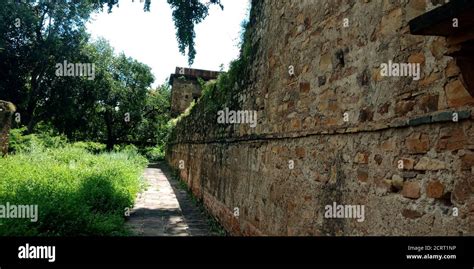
<point>305,87</point>
<point>434,189</point>
<point>411,214</point>
<point>362,174</point>
<point>426,163</point>
<point>403,107</point>
<point>411,190</point>
<point>462,190</point>
<point>417,58</point>
<point>417,143</point>
<point>467,161</point>
<point>300,152</point>
<point>429,103</point>
<point>457,95</point>
<point>408,163</point>
<point>452,69</point>
<point>451,139</point>
<point>361,158</point>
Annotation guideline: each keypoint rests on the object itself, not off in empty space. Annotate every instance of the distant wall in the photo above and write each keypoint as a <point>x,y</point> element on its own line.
<point>183,93</point>
<point>185,87</point>
<point>352,160</point>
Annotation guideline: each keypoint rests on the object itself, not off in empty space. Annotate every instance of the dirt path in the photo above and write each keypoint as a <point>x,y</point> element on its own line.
<point>165,210</point>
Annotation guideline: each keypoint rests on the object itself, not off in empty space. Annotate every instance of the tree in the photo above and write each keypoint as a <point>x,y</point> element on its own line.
<point>120,91</point>
<point>33,38</point>
<point>117,105</point>
<point>153,128</point>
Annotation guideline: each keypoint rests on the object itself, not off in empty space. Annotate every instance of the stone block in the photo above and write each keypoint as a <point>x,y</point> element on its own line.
<point>411,190</point>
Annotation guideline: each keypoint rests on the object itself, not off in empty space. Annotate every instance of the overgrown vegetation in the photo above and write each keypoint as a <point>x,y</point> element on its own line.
<point>77,191</point>
<point>114,104</point>
<point>223,92</point>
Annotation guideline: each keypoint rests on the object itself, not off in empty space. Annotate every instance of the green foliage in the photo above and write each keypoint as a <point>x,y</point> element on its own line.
<point>183,115</point>
<point>52,32</point>
<point>154,127</point>
<point>19,142</point>
<point>92,147</point>
<point>77,192</point>
<point>34,37</point>
<point>218,94</point>
<point>223,92</point>
<point>185,15</point>
<point>153,154</point>
<point>127,149</point>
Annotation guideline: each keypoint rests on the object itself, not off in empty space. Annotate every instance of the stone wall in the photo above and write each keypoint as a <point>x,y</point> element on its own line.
<point>337,130</point>
<point>183,93</point>
<point>6,111</point>
<point>186,87</point>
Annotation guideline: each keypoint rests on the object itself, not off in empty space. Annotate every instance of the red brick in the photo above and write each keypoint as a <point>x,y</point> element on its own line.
<point>467,161</point>
<point>418,143</point>
<point>411,190</point>
<point>451,139</point>
<point>403,107</point>
<point>411,214</point>
<point>434,189</point>
<point>300,152</point>
<point>305,87</point>
<point>462,190</point>
<point>362,174</point>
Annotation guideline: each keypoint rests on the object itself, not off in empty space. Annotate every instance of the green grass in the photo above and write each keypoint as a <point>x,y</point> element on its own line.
<point>77,192</point>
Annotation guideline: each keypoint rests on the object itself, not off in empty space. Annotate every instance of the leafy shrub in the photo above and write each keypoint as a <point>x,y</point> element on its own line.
<point>77,192</point>
<point>131,150</point>
<point>19,142</point>
<point>156,153</point>
<point>92,147</point>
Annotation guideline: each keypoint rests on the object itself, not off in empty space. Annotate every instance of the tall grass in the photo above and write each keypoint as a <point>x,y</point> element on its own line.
<point>77,192</point>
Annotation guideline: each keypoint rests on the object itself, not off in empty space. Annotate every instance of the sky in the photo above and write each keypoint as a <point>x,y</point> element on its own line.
<point>150,37</point>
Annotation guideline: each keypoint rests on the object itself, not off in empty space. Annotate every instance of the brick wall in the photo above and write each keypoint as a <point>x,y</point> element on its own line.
<point>183,93</point>
<point>6,111</point>
<point>345,128</point>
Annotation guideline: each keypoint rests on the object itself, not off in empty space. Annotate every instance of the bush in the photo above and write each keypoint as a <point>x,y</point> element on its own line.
<point>19,142</point>
<point>92,147</point>
<point>77,192</point>
<point>156,153</point>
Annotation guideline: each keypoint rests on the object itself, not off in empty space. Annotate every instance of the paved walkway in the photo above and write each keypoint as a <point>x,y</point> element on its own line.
<point>165,210</point>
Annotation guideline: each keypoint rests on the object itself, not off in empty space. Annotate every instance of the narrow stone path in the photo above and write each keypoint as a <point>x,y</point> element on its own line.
<point>165,210</point>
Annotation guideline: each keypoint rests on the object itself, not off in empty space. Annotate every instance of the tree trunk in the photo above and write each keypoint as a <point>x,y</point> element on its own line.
<point>110,134</point>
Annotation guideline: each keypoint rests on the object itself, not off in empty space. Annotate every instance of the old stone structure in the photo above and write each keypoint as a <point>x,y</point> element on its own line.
<point>6,111</point>
<point>336,130</point>
<point>186,87</point>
